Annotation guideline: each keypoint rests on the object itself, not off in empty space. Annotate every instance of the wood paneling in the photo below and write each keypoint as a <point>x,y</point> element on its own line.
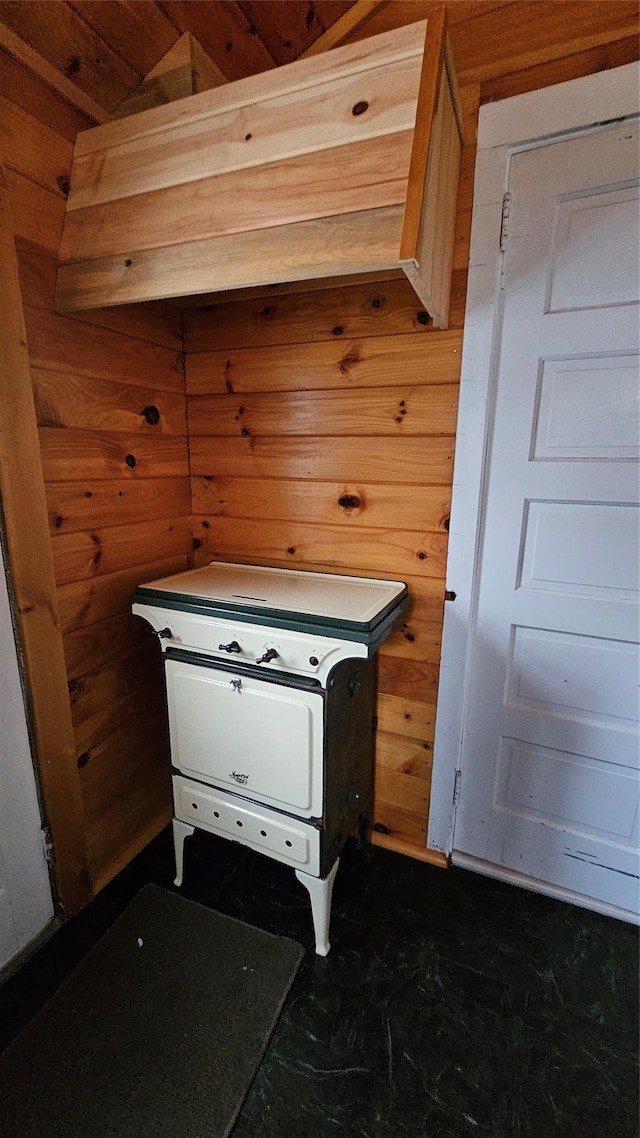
<point>109,394</point>
<point>32,585</point>
<point>85,402</point>
<point>33,149</point>
<point>37,214</point>
<point>73,506</point>
<point>349,503</point>
<point>286,29</point>
<point>277,193</point>
<point>392,551</point>
<point>378,309</point>
<point>157,323</point>
<point>57,341</point>
<point>380,411</point>
<point>137,30</point>
<point>347,459</point>
<point>74,455</point>
<point>490,39</point>
<point>599,58</point>
<point>81,603</point>
<point>273,495</point>
<point>236,135</point>
<point>87,553</point>
<point>30,92</point>
<point>160,194</point>
<point>63,38</point>
<point>225,33</point>
<point>380,361</point>
<point>338,245</point>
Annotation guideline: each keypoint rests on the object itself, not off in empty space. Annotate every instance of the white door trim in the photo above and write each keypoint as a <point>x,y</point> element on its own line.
<point>504,128</point>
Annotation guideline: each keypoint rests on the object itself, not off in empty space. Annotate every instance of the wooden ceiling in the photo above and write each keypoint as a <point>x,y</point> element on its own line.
<point>106,47</point>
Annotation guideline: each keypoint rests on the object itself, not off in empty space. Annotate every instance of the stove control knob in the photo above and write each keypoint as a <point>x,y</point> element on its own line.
<point>232,647</point>
<point>313,660</point>
<point>269,655</point>
<point>164,634</point>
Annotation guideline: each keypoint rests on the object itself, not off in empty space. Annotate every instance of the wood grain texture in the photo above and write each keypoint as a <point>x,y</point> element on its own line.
<point>32,577</point>
<point>87,403</point>
<point>337,314</point>
<point>377,505</point>
<point>134,685</point>
<point>88,553</point>
<point>490,39</point>
<point>76,455</point>
<point>38,215</point>
<point>347,61</point>
<point>406,756</point>
<point>44,70</point>
<point>138,30</point>
<point>83,603</point>
<point>288,29</point>
<point>225,34</point>
<point>379,361</point>
<point>33,149</point>
<point>340,245</point>
<point>157,323</point>
<point>85,505</point>
<point>345,459</point>
<point>315,185</point>
<point>356,16</point>
<point>599,58</point>
<point>429,95</point>
<point>429,410</point>
<point>393,552</point>
<point>31,93</point>
<point>56,341</point>
<point>432,240</point>
<point>70,45</point>
<point>100,645</point>
<point>244,135</point>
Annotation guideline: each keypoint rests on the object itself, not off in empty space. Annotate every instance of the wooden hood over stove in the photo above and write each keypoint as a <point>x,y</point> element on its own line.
<point>343,163</point>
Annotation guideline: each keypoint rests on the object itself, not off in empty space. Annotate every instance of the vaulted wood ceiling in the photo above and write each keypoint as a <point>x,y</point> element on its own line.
<point>106,47</point>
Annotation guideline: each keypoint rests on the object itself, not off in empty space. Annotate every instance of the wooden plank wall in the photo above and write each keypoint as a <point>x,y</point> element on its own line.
<point>109,392</point>
<point>322,431</point>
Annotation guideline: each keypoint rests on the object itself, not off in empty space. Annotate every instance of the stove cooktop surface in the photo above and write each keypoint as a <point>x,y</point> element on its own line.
<point>320,597</point>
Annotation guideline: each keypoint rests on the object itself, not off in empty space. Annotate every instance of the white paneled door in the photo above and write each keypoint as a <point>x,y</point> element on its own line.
<point>549,783</point>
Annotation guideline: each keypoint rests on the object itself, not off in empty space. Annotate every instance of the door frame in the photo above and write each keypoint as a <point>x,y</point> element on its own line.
<point>504,129</point>
<point>31,581</point>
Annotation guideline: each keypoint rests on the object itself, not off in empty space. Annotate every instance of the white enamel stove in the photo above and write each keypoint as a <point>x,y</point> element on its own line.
<point>270,692</point>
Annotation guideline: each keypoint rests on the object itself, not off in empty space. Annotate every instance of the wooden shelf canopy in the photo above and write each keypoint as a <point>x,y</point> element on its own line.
<point>343,163</point>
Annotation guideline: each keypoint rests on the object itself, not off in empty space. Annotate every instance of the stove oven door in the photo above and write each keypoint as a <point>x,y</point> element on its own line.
<point>258,738</point>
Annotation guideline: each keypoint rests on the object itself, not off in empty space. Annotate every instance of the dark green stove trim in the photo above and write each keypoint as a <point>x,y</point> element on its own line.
<point>371,633</point>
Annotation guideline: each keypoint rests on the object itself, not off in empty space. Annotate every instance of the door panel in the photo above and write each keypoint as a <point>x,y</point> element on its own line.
<point>549,783</point>
<point>256,738</point>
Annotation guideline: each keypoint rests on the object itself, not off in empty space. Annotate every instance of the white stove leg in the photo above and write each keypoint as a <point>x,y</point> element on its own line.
<point>320,890</point>
<point>181,831</point>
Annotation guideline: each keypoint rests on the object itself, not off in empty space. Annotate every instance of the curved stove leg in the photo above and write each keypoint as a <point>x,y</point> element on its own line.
<point>320,890</point>
<point>181,831</point>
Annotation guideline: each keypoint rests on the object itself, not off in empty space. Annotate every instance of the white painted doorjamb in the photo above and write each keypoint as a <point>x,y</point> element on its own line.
<point>504,128</point>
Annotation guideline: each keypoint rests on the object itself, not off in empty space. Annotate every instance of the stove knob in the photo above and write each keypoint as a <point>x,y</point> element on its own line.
<point>313,660</point>
<point>232,647</point>
<point>164,634</point>
<point>269,655</point>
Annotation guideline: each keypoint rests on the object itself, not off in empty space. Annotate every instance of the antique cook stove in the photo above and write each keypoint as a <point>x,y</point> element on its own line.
<point>270,692</point>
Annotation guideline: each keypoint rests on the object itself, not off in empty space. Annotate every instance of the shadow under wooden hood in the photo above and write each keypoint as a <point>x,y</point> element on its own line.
<point>340,164</point>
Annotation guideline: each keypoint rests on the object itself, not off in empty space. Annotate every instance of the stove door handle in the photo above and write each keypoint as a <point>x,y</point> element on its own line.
<point>269,655</point>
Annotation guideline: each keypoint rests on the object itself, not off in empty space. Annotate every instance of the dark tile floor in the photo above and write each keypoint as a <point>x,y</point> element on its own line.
<point>450,1005</point>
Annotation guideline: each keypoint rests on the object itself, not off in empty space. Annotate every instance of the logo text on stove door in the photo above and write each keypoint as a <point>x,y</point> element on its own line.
<point>241,778</point>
